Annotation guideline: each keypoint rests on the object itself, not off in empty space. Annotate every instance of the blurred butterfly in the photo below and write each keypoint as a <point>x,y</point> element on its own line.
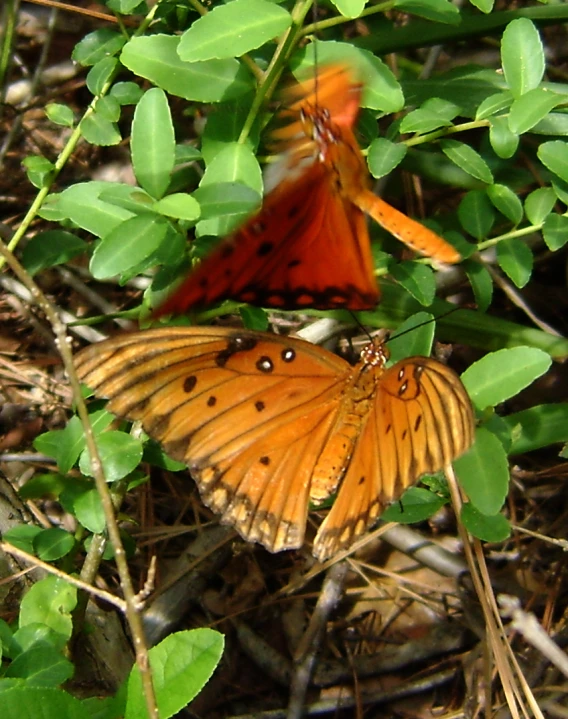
<point>309,245</point>
<point>268,424</point>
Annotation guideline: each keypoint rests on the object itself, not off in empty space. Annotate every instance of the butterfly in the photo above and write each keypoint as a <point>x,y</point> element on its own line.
<point>268,424</point>
<point>309,244</point>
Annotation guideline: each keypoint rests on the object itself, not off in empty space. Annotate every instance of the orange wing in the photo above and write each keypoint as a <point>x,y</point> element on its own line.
<point>309,245</point>
<point>248,413</point>
<point>420,420</point>
<point>267,423</point>
<point>306,248</point>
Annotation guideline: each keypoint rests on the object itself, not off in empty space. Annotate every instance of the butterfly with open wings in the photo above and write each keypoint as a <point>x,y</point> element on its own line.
<point>268,424</point>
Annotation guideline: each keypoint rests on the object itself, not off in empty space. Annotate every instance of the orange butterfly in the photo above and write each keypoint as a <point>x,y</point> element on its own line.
<point>267,424</point>
<point>309,244</point>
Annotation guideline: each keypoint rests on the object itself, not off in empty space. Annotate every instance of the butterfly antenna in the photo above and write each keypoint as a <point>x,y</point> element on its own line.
<point>422,324</point>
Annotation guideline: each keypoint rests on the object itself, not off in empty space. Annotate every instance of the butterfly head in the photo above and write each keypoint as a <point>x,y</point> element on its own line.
<point>376,353</point>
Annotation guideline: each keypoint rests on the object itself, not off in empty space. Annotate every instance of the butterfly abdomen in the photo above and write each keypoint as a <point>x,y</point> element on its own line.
<point>338,451</point>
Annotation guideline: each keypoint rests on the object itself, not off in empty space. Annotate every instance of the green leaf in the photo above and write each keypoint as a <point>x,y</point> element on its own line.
<point>554,156</point>
<point>476,214</point>
<point>181,666</point>
<point>537,427</point>
<point>466,158</point>
<point>97,130</point>
<point>415,505</point>
<point>484,5</point>
<point>119,452</point>
<point>483,472</point>
<point>126,93</point>
<point>234,163</point>
<point>501,375</point>
<point>254,318</point>
<point>349,8</point>
<point>539,204</point>
<point>556,123</point>
<point>495,528</point>
<point>51,248</point>
<point>128,245</point>
<point>27,702</point>
<point>180,206</point>
<point>414,336</point>
<point>384,156</point>
<point>422,120</point>
<point>81,499</point>
<point>153,143</point>
<point>97,45</point>
<point>441,11</point>
<point>22,537</point>
<point>224,207</point>
<point>38,170</point>
<point>506,201</point>
<point>100,74</point>
<point>233,29</point>
<point>125,7</point>
<point>64,445</point>
<point>531,108</point>
<point>155,57</point>
<point>418,279</point>
<point>555,231</point>
<point>481,283</point>
<point>60,114</point>
<point>52,544</point>
<point>108,108</point>
<point>50,602</point>
<point>42,485</point>
<point>516,260</point>
<point>503,141</point>
<point>497,103</point>
<point>522,56</point>
<point>81,204</point>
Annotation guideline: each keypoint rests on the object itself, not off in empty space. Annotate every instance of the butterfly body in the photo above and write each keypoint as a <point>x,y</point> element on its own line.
<point>267,424</point>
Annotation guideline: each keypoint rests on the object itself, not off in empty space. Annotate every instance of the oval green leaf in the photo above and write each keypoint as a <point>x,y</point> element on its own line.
<point>501,375</point>
<point>232,29</point>
<point>483,472</point>
<point>153,143</point>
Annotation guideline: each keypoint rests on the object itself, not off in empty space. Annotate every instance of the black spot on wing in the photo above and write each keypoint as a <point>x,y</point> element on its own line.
<point>189,383</point>
<point>265,248</point>
<point>237,343</point>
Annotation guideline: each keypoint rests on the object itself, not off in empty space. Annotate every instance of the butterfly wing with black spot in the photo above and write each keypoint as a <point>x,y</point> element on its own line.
<point>307,247</point>
<point>421,419</point>
<point>249,413</point>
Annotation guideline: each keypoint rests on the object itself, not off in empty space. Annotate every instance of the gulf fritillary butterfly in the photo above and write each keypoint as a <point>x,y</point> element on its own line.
<point>309,244</point>
<point>267,424</point>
